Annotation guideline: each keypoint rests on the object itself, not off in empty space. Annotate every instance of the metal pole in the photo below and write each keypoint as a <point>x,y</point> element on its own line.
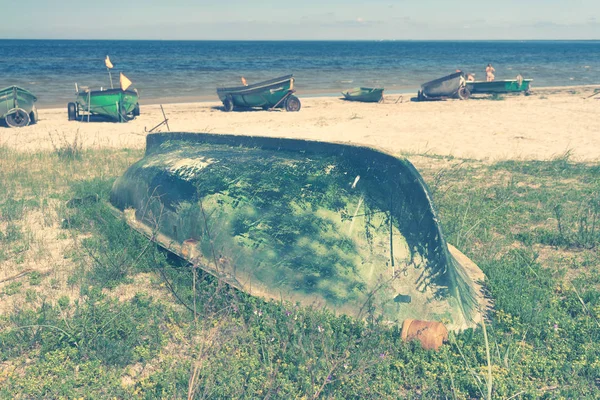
<point>15,98</point>
<point>165,117</point>
<point>110,76</point>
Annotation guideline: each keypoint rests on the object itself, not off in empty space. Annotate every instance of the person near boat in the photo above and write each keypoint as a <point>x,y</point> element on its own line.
<point>489,72</point>
<point>470,77</point>
<point>520,80</point>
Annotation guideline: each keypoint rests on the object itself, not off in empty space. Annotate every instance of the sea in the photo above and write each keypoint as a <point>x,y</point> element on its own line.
<point>172,71</point>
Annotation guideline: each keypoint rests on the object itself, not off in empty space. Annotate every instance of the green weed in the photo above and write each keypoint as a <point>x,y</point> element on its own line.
<point>216,342</point>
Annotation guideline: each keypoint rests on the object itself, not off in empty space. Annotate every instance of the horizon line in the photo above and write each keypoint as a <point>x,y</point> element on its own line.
<point>310,40</point>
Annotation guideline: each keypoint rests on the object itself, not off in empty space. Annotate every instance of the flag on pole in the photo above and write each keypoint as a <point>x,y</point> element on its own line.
<point>108,63</point>
<point>125,82</point>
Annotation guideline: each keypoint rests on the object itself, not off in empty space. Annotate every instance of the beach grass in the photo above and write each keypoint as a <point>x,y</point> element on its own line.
<point>92,309</point>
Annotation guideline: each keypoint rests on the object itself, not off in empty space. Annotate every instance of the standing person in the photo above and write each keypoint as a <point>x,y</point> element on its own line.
<point>489,72</point>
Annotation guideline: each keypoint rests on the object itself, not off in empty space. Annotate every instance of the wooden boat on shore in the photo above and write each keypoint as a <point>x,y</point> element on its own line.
<point>365,95</point>
<point>112,104</point>
<point>500,86</point>
<point>332,225</point>
<point>447,87</point>
<point>17,107</point>
<point>274,93</point>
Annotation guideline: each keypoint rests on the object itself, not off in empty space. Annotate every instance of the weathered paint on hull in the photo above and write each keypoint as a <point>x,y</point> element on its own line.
<point>326,225</point>
<point>502,86</point>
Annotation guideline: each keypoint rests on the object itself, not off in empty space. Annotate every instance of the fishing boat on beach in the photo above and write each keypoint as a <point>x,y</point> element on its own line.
<point>115,104</point>
<point>17,107</point>
<point>447,87</point>
<point>363,94</point>
<point>500,86</point>
<point>271,94</point>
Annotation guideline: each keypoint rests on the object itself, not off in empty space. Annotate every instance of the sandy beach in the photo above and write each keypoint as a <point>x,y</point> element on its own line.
<point>542,126</point>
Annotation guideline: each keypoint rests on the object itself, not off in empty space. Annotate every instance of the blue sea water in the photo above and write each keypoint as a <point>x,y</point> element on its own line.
<point>193,69</point>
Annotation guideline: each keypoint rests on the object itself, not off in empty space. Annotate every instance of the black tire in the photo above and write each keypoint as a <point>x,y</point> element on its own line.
<point>136,110</point>
<point>463,93</point>
<point>292,103</point>
<point>228,104</point>
<point>17,118</point>
<point>33,115</point>
<point>72,111</point>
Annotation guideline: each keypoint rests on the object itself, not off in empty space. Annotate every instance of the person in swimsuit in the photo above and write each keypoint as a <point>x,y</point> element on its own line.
<point>489,73</point>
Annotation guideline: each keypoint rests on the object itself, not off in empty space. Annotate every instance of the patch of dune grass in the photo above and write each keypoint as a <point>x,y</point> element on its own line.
<point>110,336</point>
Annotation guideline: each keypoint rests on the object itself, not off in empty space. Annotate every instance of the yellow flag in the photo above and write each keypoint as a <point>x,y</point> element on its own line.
<point>125,82</point>
<point>108,63</point>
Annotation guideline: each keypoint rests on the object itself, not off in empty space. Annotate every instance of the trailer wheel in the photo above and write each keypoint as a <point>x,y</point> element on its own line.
<point>72,111</point>
<point>463,93</point>
<point>33,115</point>
<point>292,103</point>
<point>136,110</point>
<point>228,104</point>
<point>17,118</point>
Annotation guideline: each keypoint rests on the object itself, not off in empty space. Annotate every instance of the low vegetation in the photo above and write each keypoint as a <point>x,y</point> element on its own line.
<point>90,309</point>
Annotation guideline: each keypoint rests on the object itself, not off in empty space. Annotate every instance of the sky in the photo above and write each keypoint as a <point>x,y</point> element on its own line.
<point>302,20</point>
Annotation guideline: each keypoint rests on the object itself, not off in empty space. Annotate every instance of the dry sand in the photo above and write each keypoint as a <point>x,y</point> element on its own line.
<point>545,125</point>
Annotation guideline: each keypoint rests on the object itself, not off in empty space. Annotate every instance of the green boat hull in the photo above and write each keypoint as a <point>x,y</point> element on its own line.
<point>499,87</point>
<point>365,95</point>
<point>348,228</point>
<point>115,104</point>
<point>17,104</point>
<point>265,94</point>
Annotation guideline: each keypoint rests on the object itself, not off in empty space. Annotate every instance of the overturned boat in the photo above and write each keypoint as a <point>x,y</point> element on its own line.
<point>363,94</point>
<point>452,86</point>
<point>339,226</point>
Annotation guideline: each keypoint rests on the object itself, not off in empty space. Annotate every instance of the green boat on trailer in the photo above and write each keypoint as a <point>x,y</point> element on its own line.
<point>365,95</point>
<point>274,93</point>
<point>17,107</point>
<point>113,104</point>
<point>500,86</point>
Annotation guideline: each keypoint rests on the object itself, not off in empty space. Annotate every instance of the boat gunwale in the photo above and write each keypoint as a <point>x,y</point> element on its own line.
<point>498,81</point>
<point>94,93</point>
<point>260,86</point>
<point>19,89</point>
<point>362,89</point>
<point>443,79</point>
